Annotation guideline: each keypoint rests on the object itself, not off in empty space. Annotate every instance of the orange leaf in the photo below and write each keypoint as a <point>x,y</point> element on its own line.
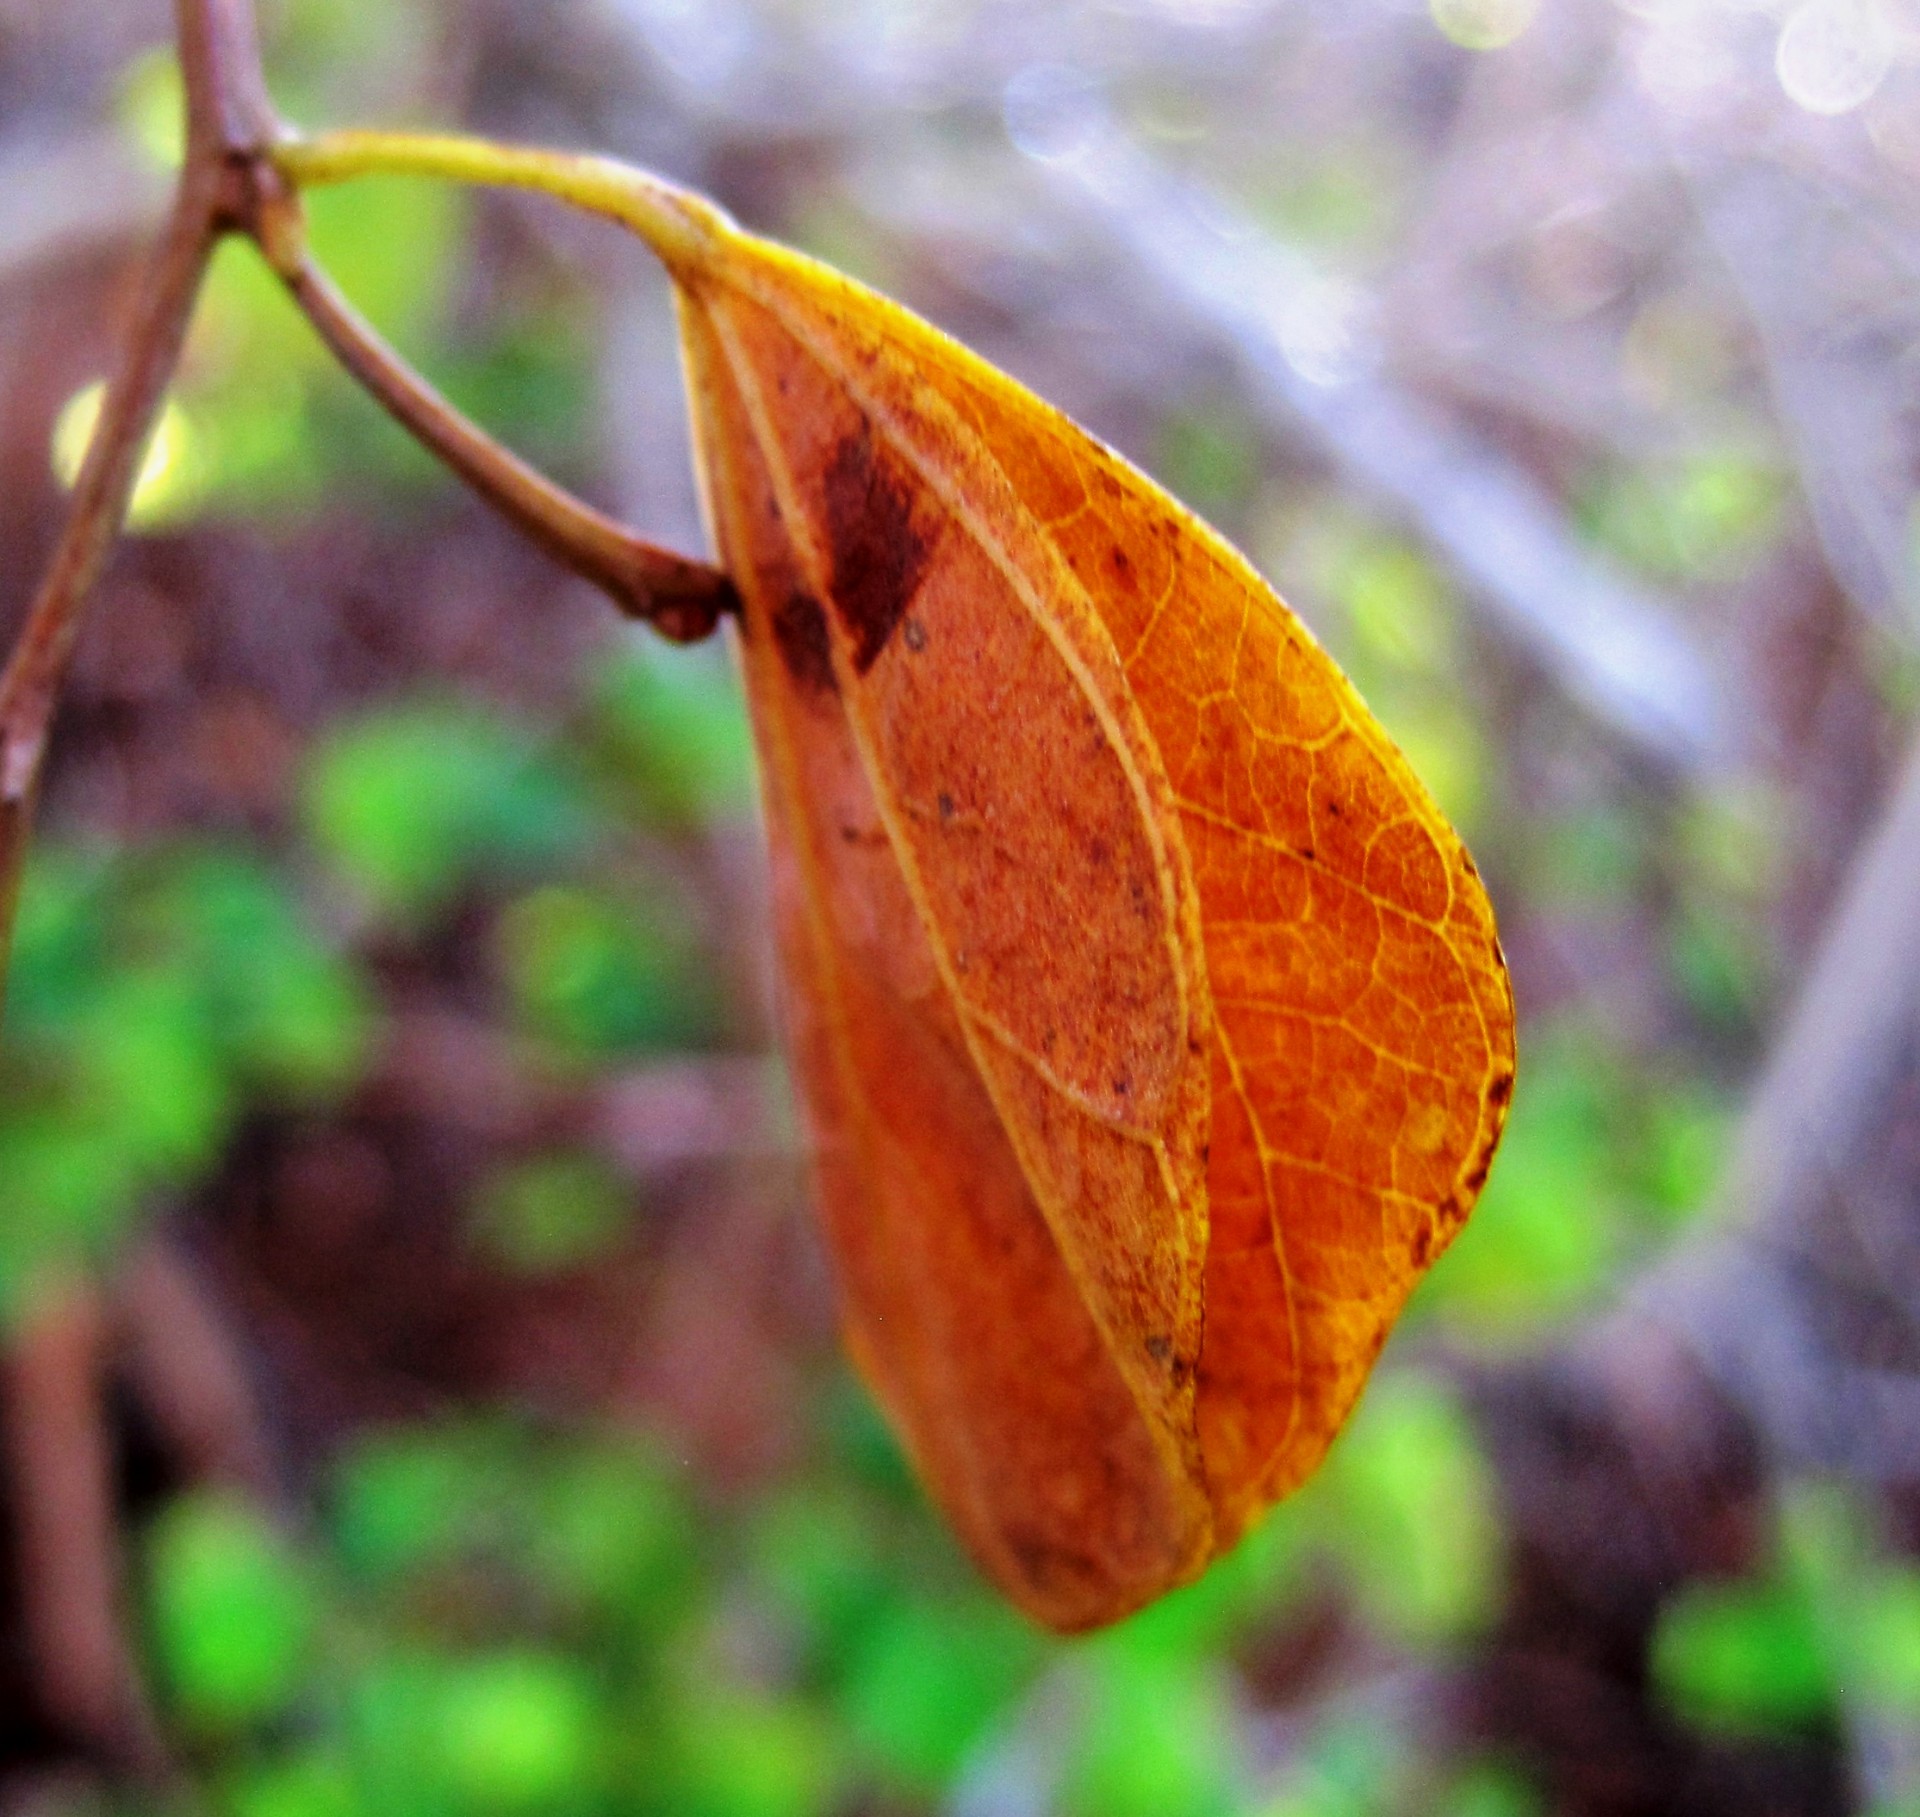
<point>1148,1018</point>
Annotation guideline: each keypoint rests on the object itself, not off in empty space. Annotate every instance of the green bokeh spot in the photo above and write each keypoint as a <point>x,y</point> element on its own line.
<point>1408,1501</point>
<point>156,995</point>
<point>732,1754</point>
<point>1211,457</point>
<point>410,1499</point>
<point>1884,1638</point>
<point>519,1731</point>
<point>414,802</point>
<point>616,1534</point>
<point>1549,1228</point>
<point>929,1679</point>
<point>232,1612</point>
<point>670,725</point>
<point>310,1784</point>
<point>550,1214</point>
<point>1156,1740</point>
<point>1744,1658</point>
<point>601,975</point>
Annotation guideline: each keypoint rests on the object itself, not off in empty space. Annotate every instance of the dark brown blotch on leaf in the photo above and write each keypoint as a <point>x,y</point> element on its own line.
<point>879,552</point>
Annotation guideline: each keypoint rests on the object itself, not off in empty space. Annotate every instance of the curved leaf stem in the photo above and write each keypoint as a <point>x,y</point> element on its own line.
<point>681,598</point>
<point>678,226</point>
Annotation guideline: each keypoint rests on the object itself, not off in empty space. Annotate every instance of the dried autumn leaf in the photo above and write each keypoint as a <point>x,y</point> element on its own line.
<point>1148,1018</point>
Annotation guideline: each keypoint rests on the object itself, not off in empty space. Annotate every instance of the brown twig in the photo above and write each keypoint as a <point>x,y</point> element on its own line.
<point>30,688</point>
<point>63,1508</point>
<point>56,1433</point>
<point>184,1366</point>
<point>228,123</point>
<point>230,117</point>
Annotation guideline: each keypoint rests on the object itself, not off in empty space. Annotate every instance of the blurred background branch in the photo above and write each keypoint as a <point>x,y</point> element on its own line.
<point>1813,1235</point>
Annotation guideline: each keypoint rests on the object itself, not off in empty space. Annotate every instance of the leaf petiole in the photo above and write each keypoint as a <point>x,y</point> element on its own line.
<point>681,228</point>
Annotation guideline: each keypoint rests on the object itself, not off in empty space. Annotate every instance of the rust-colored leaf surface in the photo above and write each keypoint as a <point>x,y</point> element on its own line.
<point>1149,1022</point>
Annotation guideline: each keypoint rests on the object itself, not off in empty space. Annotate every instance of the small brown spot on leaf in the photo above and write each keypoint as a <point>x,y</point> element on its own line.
<point>800,629</point>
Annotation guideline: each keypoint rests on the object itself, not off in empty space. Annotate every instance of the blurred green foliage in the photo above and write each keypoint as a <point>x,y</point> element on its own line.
<point>493,1616</point>
<point>232,1614</point>
<point>667,733</point>
<point>154,996</point>
<point>550,1213</point>
<point>1211,458</point>
<point>1392,621</point>
<point>160,995</point>
<point>1605,1155</point>
<point>602,972</point>
<point>1346,1769</point>
<point>1407,1483</point>
<point>414,802</point>
<point>1826,1631</point>
<point>1154,1738</point>
<point>419,804</point>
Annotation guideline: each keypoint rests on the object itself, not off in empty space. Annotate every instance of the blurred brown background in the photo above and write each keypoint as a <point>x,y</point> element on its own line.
<point>420,1388</point>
